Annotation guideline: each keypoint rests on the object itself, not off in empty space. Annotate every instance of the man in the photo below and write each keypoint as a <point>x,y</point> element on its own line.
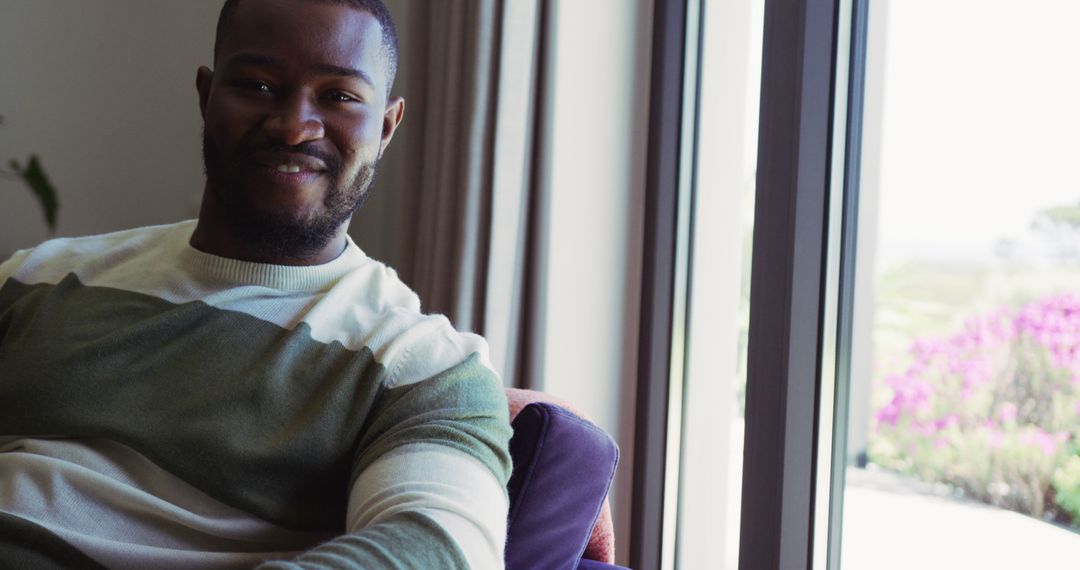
<point>251,387</point>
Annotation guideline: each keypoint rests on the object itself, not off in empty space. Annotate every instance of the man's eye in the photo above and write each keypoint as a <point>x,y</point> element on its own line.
<point>255,85</point>
<point>340,97</point>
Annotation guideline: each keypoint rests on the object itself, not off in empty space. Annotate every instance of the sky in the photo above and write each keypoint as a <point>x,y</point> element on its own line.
<point>981,124</point>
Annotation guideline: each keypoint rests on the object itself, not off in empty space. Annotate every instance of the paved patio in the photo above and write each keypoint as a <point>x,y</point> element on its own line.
<point>893,523</point>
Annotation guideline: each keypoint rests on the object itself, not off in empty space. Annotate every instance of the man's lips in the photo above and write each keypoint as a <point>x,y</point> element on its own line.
<point>289,162</point>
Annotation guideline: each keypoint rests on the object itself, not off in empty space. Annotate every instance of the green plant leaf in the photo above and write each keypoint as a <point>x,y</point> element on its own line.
<point>35,178</point>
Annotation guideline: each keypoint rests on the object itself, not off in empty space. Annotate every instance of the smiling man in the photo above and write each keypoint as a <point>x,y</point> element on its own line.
<point>250,388</point>
<point>296,116</point>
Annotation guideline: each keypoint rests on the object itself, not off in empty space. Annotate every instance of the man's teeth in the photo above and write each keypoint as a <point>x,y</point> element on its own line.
<point>288,168</point>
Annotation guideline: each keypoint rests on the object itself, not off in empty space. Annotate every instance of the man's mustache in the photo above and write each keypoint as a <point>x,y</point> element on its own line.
<point>333,164</point>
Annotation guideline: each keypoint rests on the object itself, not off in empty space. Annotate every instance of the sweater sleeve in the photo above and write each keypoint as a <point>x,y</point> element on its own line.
<point>8,266</point>
<point>429,479</point>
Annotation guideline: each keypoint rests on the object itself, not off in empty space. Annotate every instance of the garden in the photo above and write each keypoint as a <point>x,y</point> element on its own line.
<point>991,408</point>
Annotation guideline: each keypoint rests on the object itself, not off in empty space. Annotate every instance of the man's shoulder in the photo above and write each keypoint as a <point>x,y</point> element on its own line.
<point>372,307</point>
<point>132,237</point>
<point>53,259</point>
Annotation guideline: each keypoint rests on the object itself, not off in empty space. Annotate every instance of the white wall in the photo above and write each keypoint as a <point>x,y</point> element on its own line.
<point>598,142</point>
<point>104,92</point>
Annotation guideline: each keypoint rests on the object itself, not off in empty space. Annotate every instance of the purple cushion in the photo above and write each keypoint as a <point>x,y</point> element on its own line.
<point>563,466</point>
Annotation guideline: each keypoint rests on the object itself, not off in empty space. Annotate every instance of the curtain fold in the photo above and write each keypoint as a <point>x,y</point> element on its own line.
<point>453,216</point>
<point>516,257</point>
<point>453,210</point>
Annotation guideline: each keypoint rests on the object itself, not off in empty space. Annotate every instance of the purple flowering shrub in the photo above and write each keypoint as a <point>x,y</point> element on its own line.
<point>993,410</point>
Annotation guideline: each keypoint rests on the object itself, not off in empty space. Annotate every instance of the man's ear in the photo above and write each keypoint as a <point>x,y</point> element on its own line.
<point>203,78</point>
<point>395,112</point>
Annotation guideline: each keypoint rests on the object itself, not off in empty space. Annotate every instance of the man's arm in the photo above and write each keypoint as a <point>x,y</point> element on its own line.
<point>421,507</point>
<point>429,484</point>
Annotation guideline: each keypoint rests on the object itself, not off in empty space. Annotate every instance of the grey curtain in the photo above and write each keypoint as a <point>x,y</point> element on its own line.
<point>451,211</point>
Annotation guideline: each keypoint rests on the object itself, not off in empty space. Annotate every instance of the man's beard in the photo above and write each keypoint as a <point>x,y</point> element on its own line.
<point>282,234</point>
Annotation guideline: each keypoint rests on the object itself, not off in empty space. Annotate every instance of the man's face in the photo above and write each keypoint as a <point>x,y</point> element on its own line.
<point>296,117</point>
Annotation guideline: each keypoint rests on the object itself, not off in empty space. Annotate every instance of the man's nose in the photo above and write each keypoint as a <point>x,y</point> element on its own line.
<point>295,121</point>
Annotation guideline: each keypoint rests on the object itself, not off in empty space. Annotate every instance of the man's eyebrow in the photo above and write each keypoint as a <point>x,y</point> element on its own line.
<point>260,60</point>
<point>327,69</point>
<point>256,59</point>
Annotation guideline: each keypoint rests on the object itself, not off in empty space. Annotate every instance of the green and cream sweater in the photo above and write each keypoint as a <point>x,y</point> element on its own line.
<point>161,407</point>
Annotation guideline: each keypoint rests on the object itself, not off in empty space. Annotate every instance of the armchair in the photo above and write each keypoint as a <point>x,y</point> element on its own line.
<point>563,466</point>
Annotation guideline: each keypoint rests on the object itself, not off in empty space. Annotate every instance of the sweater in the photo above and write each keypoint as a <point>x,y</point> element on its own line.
<point>161,407</point>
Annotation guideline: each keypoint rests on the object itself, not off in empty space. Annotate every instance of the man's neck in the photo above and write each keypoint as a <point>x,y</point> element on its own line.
<point>217,235</point>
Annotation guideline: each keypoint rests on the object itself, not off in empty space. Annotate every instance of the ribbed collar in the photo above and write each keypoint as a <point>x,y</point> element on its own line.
<point>284,277</point>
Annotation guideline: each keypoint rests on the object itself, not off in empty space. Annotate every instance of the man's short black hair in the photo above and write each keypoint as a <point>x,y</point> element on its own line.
<point>374,7</point>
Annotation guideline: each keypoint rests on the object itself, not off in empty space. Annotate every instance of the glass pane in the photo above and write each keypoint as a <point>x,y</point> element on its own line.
<point>964,425</point>
<point>711,485</point>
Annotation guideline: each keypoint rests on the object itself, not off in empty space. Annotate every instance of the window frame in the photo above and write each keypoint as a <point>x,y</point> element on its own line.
<point>803,258</point>
<point>668,211</point>
<point>789,297</point>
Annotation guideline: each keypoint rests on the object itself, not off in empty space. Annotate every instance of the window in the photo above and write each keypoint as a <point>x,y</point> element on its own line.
<point>910,347</point>
<point>718,294</point>
<point>964,396</point>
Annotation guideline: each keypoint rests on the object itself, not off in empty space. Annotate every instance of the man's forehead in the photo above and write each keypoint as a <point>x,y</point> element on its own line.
<point>338,34</point>
<point>268,62</point>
